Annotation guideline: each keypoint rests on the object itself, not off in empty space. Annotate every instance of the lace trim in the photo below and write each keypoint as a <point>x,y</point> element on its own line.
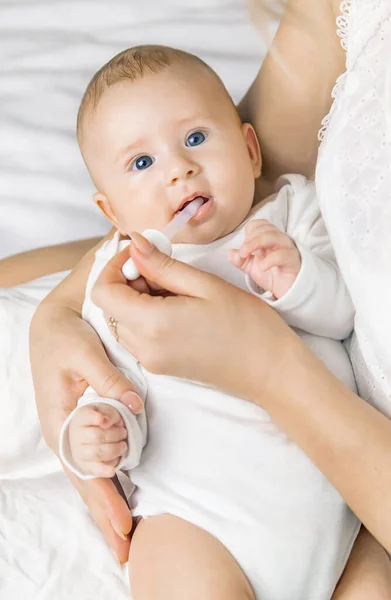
<point>342,22</point>
<point>326,120</point>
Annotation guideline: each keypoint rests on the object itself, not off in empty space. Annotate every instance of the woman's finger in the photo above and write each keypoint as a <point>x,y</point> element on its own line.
<point>109,510</point>
<point>161,270</point>
<point>100,469</point>
<point>140,285</point>
<point>106,380</point>
<point>168,273</point>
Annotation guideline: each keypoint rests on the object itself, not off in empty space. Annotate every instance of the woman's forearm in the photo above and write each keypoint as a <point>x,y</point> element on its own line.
<point>26,266</point>
<point>70,292</point>
<point>348,440</point>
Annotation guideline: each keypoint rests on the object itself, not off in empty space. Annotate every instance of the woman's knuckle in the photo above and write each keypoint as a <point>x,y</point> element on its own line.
<point>166,262</point>
<point>109,381</point>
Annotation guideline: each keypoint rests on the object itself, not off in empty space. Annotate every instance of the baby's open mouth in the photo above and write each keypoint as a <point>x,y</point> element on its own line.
<point>195,197</point>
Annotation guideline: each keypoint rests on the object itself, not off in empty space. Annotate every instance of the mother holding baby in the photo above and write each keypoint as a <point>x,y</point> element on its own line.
<point>252,353</point>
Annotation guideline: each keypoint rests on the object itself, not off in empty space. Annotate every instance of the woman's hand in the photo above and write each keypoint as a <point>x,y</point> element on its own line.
<point>66,356</point>
<point>206,329</point>
<point>212,332</point>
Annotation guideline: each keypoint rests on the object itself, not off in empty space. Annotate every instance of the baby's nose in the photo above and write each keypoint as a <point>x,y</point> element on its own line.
<point>181,168</point>
<point>185,174</point>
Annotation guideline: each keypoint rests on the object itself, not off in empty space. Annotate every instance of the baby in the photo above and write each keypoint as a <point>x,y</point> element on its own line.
<point>157,129</point>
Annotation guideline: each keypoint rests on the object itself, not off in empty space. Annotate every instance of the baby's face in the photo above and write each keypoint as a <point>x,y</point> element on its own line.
<point>157,143</point>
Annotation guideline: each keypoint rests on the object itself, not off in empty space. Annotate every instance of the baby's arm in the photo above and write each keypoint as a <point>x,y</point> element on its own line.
<point>101,436</point>
<point>305,285</point>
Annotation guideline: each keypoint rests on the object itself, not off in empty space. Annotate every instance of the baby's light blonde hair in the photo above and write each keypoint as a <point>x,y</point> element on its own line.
<point>131,65</point>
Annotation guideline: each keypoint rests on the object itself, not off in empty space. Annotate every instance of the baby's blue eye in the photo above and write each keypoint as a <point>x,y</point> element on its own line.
<point>195,139</point>
<point>142,162</point>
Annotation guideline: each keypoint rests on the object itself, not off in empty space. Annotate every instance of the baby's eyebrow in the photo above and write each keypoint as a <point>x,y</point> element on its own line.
<point>195,117</point>
<point>124,151</point>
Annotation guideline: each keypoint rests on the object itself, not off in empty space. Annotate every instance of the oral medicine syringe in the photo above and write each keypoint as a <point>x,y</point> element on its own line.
<point>162,239</point>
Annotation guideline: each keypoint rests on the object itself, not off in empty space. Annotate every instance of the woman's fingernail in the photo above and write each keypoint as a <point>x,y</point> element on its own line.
<point>141,243</point>
<point>120,533</point>
<point>133,401</point>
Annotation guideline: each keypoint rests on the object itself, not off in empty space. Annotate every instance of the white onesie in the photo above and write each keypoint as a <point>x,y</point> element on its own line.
<point>219,461</point>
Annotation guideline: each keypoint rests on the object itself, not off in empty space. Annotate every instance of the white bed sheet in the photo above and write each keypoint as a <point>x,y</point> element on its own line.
<point>49,547</point>
<point>49,49</point>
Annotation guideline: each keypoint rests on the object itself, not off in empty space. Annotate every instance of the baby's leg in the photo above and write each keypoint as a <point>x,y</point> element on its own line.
<point>171,558</point>
<point>367,575</point>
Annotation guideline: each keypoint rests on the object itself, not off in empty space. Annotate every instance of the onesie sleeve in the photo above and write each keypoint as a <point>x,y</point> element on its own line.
<point>318,302</point>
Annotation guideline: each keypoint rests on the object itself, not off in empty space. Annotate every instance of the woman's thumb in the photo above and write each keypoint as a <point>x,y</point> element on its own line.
<point>168,273</point>
<point>109,382</point>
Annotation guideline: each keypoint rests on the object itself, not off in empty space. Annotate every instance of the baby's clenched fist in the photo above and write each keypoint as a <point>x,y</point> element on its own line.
<point>97,437</point>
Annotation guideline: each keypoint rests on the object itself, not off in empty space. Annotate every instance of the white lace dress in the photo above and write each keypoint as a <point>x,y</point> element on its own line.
<point>353,180</point>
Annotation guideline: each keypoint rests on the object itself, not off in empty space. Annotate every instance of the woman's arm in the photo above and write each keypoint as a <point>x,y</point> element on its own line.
<point>20,268</point>
<point>347,439</point>
<point>66,356</point>
<point>292,92</point>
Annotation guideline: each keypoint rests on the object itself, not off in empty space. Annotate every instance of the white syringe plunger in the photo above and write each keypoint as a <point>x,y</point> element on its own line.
<point>161,239</point>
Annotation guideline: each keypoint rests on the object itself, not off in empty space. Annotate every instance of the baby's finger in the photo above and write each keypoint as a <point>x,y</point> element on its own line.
<point>97,435</point>
<point>102,452</point>
<point>111,416</point>
<point>281,258</point>
<point>265,241</point>
<point>89,415</point>
<point>235,259</point>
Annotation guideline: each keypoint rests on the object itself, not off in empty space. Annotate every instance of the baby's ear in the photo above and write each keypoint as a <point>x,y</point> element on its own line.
<point>253,148</point>
<point>103,202</point>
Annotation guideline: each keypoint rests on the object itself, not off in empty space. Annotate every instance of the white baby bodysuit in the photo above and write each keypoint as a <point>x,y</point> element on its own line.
<point>220,462</point>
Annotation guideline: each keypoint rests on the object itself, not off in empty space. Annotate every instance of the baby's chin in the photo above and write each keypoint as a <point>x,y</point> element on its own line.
<point>202,234</point>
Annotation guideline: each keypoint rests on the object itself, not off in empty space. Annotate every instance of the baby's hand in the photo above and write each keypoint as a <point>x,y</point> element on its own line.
<point>269,256</point>
<point>97,439</point>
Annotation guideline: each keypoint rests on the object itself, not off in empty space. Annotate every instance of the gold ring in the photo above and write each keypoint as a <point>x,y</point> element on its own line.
<point>113,326</point>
